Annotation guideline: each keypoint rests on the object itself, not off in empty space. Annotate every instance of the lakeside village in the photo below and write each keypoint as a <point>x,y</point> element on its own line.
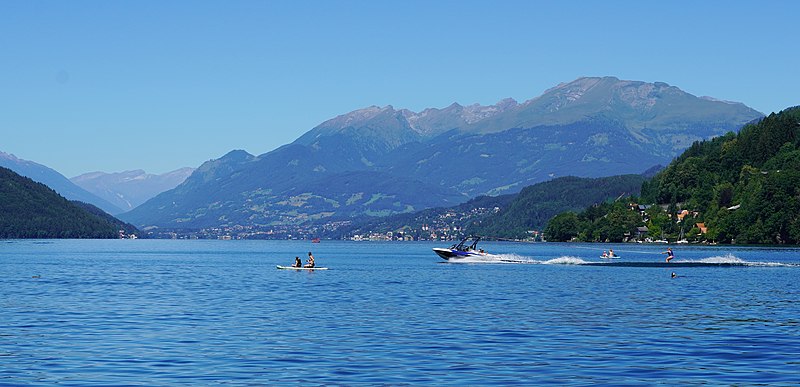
<point>642,234</point>
<point>446,226</point>
<point>311,232</point>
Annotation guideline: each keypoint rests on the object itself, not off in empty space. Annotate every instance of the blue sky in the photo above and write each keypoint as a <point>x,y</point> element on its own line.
<point>158,85</point>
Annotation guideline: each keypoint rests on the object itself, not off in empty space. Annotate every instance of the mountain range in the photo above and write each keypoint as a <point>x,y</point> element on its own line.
<point>56,181</point>
<point>114,193</point>
<point>379,160</point>
<point>129,189</point>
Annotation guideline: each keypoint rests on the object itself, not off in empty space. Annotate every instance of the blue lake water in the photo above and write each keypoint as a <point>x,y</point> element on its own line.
<point>157,312</point>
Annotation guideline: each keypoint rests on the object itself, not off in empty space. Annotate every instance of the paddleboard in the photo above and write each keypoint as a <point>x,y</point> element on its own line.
<point>614,257</point>
<point>301,268</point>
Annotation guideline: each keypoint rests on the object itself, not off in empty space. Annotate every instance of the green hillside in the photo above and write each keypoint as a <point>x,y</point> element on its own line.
<point>535,205</point>
<point>739,188</point>
<point>127,228</point>
<point>32,210</point>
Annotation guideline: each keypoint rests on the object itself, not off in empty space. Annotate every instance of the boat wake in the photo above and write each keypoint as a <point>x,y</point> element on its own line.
<point>565,260</point>
<point>493,258</point>
<point>732,260</point>
<point>728,260</point>
<point>519,259</point>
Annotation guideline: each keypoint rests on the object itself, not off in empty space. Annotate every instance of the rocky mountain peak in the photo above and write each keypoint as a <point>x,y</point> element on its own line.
<point>237,155</point>
<point>356,117</point>
<point>507,103</point>
<point>132,174</point>
<point>602,92</point>
<point>8,156</point>
<point>578,87</point>
<point>432,121</point>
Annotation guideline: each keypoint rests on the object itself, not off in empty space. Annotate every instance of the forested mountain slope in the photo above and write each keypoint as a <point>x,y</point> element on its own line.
<point>32,210</point>
<point>738,188</point>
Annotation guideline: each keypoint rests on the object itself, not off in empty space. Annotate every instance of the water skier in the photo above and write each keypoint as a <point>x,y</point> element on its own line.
<point>669,253</point>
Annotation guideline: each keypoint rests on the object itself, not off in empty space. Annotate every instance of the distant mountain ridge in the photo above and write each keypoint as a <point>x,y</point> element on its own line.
<point>56,181</point>
<point>406,161</point>
<point>226,191</point>
<point>129,189</point>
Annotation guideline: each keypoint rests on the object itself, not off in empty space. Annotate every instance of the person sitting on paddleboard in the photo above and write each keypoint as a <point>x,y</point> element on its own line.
<point>604,254</point>
<point>611,253</point>
<point>669,253</point>
<point>297,262</point>
<point>310,260</point>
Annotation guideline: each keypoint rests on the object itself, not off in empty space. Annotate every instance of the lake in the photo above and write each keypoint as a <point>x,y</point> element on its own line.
<point>164,312</point>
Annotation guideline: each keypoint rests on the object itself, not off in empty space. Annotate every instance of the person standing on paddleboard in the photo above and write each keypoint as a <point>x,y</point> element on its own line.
<point>310,260</point>
<point>669,254</point>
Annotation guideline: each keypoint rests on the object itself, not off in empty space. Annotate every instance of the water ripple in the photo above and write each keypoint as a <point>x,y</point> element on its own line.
<point>199,313</point>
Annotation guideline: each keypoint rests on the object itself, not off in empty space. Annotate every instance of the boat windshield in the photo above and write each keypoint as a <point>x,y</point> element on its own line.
<point>461,246</point>
<point>474,245</point>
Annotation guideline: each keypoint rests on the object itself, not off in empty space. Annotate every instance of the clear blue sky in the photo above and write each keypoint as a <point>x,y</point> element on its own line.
<point>158,85</point>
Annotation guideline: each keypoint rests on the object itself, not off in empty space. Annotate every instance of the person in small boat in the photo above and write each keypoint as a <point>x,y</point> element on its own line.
<point>669,253</point>
<point>310,262</point>
<point>297,262</point>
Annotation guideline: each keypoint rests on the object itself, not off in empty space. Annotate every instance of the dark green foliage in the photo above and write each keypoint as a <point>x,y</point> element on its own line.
<point>32,210</point>
<point>745,187</point>
<point>608,222</point>
<point>118,224</point>
<point>757,170</point>
<point>563,227</point>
